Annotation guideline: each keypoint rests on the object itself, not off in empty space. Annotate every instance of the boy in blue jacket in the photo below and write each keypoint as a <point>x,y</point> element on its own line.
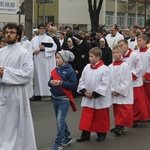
<point>62,82</point>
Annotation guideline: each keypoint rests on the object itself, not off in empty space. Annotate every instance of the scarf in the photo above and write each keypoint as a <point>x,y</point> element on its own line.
<point>117,62</point>
<point>128,54</point>
<point>144,49</point>
<point>99,64</point>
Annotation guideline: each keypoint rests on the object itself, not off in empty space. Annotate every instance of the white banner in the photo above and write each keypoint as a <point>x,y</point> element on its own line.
<point>11,6</point>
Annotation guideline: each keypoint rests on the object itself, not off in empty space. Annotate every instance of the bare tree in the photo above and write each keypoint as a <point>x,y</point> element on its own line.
<point>94,11</point>
<point>28,18</point>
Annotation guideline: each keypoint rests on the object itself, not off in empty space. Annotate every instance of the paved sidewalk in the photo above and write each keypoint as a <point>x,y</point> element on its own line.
<point>45,131</point>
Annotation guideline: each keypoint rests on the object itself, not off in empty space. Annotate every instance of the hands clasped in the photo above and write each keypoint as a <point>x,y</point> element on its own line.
<point>55,82</point>
<point>88,94</point>
<point>1,71</point>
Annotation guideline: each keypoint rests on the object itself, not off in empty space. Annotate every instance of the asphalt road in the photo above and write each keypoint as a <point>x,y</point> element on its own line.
<point>45,131</point>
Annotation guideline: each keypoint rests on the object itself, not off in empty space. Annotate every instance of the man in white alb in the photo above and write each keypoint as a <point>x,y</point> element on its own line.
<point>44,49</point>
<point>27,45</point>
<point>113,37</point>
<point>16,70</point>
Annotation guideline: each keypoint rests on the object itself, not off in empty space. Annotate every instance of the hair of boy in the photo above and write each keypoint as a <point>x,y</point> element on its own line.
<point>14,26</point>
<point>124,41</point>
<point>117,47</point>
<point>126,31</point>
<point>133,30</point>
<point>143,37</point>
<point>96,51</point>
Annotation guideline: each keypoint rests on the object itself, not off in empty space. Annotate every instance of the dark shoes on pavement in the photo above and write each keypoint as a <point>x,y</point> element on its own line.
<point>135,124</point>
<point>117,130</point>
<point>35,98</point>
<point>86,136</point>
<point>113,129</point>
<point>81,139</point>
<point>101,136</point>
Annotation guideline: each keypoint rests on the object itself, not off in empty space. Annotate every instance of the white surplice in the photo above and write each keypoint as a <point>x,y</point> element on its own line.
<point>132,44</point>
<point>96,80</point>
<point>121,82</point>
<point>27,45</point>
<point>16,125</point>
<point>112,41</point>
<point>44,63</point>
<point>145,58</point>
<point>135,64</point>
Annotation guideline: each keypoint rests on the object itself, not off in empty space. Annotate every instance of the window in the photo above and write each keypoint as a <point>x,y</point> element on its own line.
<point>131,20</point>
<point>109,19</point>
<point>141,20</point>
<point>120,19</point>
<point>47,19</point>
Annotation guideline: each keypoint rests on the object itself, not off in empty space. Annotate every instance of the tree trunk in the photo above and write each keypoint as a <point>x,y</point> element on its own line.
<point>94,12</point>
<point>28,18</point>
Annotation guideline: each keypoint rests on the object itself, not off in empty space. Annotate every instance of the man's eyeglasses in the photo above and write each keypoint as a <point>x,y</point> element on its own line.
<point>11,32</point>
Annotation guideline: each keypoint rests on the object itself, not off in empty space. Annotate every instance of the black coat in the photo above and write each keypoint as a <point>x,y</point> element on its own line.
<point>75,63</point>
<point>83,49</point>
<point>106,55</point>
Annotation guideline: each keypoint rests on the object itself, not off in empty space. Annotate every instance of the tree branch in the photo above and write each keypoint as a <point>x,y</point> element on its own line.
<point>94,5</point>
<point>90,5</point>
<point>99,6</point>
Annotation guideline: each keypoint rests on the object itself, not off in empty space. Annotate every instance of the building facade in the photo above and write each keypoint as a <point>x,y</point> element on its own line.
<point>11,11</point>
<point>70,12</point>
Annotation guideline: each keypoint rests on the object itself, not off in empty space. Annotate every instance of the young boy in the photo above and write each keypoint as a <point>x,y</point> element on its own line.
<point>144,53</point>
<point>94,86</point>
<point>63,81</point>
<point>133,60</point>
<point>122,92</point>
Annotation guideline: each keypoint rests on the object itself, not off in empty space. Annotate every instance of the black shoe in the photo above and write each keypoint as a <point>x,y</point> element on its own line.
<point>35,98</point>
<point>113,129</point>
<point>81,139</point>
<point>118,131</point>
<point>101,136</point>
<point>135,124</point>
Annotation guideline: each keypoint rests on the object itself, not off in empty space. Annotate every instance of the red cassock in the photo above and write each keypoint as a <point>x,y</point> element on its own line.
<point>95,120</point>
<point>139,106</point>
<point>145,55</point>
<point>123,114</point>
<point>146,87</point>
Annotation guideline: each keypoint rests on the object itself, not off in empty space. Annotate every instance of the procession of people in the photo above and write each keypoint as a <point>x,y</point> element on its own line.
<point>106,70</point>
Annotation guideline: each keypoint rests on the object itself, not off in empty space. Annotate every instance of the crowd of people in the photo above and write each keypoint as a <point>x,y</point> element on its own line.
<point>105,69</point>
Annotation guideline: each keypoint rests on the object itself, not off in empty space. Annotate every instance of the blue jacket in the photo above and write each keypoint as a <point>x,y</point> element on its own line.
<point>69,78</point>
